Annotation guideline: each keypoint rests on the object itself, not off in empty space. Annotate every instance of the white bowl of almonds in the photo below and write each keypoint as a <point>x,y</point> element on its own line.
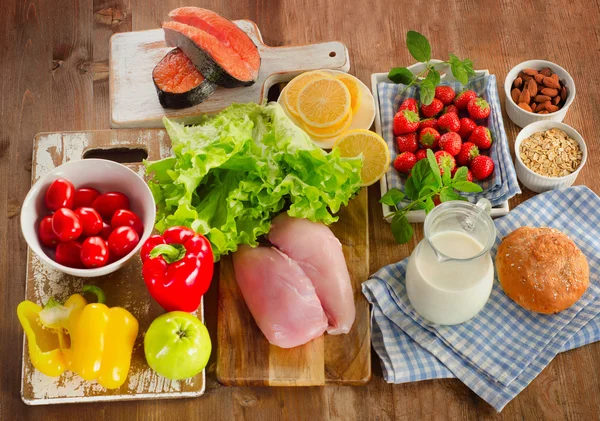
<point>549,155</point>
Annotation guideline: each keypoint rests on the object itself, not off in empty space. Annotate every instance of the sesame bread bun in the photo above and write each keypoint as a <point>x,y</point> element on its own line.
<point>542,269</point>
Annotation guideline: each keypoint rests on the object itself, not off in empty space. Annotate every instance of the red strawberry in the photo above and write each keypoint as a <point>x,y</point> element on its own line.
<point>405,162</point>
<point>421,154</point>
<point>444,159</point>
<point>450,109</point>
<point>481,137</point>
<point>478,108</point>
<point>466,127</point>
<point>468,151</point>
<point>469,175</point>
<point>429,122</point>
<point>449,122</point>
<point>482,167</point>
<point>432,109</point>
<point>445,94</point>
<point>407,142</point>
<point>429,138</point>
<point>451,143</point>
<point>436,199</point>
<point>462,100</point>
<point>405,121</point>
<point>409,104</point>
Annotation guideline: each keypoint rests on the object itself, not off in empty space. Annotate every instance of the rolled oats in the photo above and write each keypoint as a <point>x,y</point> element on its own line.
<point>551,153</point>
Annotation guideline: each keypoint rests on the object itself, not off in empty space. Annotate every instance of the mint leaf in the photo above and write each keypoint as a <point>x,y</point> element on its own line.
<point>448,194</point>
<point>401,229</point>
<point>425,190</point>
<point>460,174</point>
<point>410,190</point>
<point>435,170</point>
<point>392,197</point>
<point>433,76</point>
<point>429,205</point>
<point>401,75</point>
<point>461,69</point>
<point>446,176</point>
<point>426,92</point>
<point>467,187</point>
<point>418,46</point>
<point>419,173</point>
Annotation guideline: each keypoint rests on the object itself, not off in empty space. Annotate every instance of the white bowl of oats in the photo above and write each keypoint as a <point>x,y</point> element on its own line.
<point>549,155</point>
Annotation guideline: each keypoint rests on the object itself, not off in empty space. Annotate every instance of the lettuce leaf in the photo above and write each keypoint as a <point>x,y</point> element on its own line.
<point>232,172</point>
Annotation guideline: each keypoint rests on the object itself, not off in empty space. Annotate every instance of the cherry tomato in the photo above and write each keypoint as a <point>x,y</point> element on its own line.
<point>91,221</point>
<point>68,254</point>
<point>66,225</point>
<point>126,218</point>
<point>122,240</point>
<point>47,237</point>
<point>60,194</point>
<point>108,203</point>
<point>199,246</point>
<point>177,235</point>
<point>151,242</point>
<point>84,197</point>
<point>106,230</point>
<point>94,252</point>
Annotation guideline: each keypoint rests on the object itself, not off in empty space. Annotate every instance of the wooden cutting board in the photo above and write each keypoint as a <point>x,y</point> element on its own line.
<point>124,288</point>
<point>133,55</point>
<point>245,357</point>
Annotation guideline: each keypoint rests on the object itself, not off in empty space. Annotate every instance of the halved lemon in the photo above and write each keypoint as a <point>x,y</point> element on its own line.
<point>329,132</point>
<point>375,152</point>
<point>354,89</point>
<point>291,91</point>
<point>323,103</point>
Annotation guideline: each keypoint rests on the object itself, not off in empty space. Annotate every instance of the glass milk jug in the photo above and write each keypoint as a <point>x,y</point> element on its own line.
<point>450,273</point>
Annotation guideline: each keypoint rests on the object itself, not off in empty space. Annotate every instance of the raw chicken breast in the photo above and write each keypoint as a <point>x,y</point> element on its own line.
<point>319,253</point>
<point>280,296</point>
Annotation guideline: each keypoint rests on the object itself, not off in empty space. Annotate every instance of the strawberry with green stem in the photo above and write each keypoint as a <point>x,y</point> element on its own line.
<point>478,108</point>
<point>405,121</point>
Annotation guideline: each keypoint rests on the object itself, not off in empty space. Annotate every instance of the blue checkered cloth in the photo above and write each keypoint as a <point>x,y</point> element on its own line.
<point>503,184</point>
<point>502,349</point>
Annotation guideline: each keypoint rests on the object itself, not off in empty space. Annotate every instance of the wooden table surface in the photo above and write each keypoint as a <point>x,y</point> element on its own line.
<point>55,59</point>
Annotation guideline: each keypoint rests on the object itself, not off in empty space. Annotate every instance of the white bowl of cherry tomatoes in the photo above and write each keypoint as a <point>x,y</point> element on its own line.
<point>88,217</point>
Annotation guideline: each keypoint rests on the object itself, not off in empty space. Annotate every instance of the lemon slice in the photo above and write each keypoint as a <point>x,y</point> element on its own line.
<point>354,89</point>
<point>329,132</point>
<point>291,91</point>
<point>323,103</point>
<point>375,152</point>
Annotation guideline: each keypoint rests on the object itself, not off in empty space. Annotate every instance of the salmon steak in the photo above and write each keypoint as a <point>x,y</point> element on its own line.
<point>219,49</point>
<point>178,83</point>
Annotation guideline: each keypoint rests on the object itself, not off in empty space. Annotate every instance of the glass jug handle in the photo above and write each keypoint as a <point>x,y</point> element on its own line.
<point>485,205</point>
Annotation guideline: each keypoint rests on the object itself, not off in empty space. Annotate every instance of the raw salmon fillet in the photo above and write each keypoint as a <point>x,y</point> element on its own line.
<point>319,253</point>
<point>279,295</point>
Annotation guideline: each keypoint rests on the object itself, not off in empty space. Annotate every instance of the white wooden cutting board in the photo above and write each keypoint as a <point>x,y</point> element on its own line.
<point>133,55</point>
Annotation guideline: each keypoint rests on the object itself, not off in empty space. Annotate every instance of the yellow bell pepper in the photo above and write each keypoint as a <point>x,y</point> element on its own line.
<point>100,339</point>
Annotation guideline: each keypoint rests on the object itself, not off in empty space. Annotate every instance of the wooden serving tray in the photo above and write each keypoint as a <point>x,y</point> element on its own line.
<point>124,288</point>
<point>133,55</point>
<point>245,357</point>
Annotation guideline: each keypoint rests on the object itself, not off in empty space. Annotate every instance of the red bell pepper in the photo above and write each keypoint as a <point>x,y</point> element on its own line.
<point>177,268</point>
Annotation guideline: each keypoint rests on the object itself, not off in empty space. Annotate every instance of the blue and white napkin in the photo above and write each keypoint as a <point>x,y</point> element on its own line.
<point>502,349</point>
<point>503,184</point>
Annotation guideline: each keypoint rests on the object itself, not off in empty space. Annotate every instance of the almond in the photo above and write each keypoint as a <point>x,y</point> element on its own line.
<point>540,87</point>
<point>563,93</point>
<point>556,100</point>
<point>526,77</point>
<point>551,83</point>
<point>515,93</point>
<point>543,112</point>
<point>530,72</point>
<point>554,76</point>
<point>551,108</point>
<point>532,86</point>
<point>539,78</point>
<point>525,106</point>
<point>525,96</point>
<point>546,71</point>
<point>533,107</point>
<point>551,92</point>
<point>518,83</point>
<point>541,98</point>
<point>541,106</point>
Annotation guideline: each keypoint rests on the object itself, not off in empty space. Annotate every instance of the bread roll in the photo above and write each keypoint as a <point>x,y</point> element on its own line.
<point>542,269</point>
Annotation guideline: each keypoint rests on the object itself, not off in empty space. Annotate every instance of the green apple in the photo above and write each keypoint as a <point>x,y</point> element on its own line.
<point>177,345</point>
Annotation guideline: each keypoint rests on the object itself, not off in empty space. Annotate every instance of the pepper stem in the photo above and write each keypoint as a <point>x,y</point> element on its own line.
<point>170,252</point>
<point>93,289</point>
